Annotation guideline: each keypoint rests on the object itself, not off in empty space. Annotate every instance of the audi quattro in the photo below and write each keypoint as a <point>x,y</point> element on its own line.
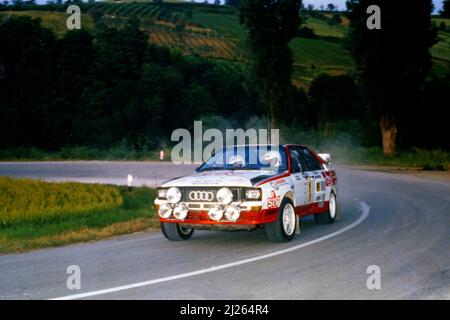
<point>250,187</point>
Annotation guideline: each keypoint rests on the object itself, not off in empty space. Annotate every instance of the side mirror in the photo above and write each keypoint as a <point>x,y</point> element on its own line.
<point>326,157</point>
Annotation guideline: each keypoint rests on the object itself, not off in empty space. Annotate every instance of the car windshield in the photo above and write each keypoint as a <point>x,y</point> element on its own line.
<point>272,158</point>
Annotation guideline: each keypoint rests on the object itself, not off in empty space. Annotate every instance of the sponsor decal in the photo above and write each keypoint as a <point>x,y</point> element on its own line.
<point>274,200</point>
<point>330,178</point>
<point>316,174</point>
<point>321,200</point>
<point>211,173</point>
<point>277,183</point>
<point>320,186</point>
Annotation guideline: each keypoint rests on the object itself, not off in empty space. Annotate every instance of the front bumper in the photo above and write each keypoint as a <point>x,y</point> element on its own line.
<point>251,216</point>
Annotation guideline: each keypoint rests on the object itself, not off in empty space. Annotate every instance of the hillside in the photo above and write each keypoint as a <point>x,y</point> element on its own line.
<point>214,32</point>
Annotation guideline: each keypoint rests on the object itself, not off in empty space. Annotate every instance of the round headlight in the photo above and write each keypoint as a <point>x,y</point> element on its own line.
<point>232,213</point>
<point>181,211</point>
<point>173,195</point>
<point>224,196</point>
<point>165,210</point>
<point>215,213</point>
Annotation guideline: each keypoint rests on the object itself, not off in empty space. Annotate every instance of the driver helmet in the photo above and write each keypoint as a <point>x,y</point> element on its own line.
<point>272,158</point>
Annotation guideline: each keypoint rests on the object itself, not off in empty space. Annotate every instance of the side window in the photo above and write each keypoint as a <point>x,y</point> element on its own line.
<point>295,161</point>
<point>310,161</point>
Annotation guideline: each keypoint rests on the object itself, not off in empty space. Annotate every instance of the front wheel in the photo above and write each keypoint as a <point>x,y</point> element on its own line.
<point>328,216</point>
<point>283,228</point>
<point>176,232</point>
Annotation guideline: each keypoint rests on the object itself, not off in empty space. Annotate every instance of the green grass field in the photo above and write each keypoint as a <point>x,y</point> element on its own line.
<point>36,214</point>
<point>314,56</point>
<point>322,29</point>
<point>441,50</point>
<point>419,159</point>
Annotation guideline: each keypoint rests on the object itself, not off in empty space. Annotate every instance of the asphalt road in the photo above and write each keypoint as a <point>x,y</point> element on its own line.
<point>115,172</point>
<point>398,222</point>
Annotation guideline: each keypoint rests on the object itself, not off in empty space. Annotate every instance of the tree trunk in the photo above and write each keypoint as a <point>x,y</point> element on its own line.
<point>273,120</point>
<point>389,134</point>
<point>271,123</point>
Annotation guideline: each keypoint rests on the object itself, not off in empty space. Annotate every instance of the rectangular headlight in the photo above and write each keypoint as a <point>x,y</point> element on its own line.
<point>162,193</point>
<point>253,194</point>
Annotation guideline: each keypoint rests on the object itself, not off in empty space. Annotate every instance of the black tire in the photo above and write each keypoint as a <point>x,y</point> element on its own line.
<point>275,231</point>
<point>327,217</point>
<point>175,232</point>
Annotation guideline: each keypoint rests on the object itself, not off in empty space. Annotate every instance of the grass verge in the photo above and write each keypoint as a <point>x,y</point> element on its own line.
<point>419,159</point>
<point>27,223</point>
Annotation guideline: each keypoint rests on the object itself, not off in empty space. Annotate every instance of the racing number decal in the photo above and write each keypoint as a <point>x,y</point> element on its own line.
<point>274,200</point>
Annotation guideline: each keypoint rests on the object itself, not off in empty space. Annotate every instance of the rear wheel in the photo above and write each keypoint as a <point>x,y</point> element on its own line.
<point>328,216</point>
<point>176,232</point>
<point>283,228</point>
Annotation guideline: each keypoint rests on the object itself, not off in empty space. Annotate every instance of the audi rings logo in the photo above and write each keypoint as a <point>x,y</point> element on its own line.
<point>201,196</point>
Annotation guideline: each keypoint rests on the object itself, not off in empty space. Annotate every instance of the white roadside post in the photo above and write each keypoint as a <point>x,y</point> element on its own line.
<point>130,180</point>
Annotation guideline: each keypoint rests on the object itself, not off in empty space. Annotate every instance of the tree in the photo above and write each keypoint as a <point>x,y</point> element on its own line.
<point>331,7</point>
<point>74,70</point>
<point>27,54</point>
<point>271,25</point>
<point>334,99</point>
<point>392,61</point>
<point>445,12</point>
<point>307,33</point>
<point>18,4</point>
<point>310,7</point>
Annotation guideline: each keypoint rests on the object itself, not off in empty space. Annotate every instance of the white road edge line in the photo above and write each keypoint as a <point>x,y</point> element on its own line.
<point>364,208</point>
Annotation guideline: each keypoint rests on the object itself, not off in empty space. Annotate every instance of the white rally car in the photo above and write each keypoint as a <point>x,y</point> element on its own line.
<point>249,187</point>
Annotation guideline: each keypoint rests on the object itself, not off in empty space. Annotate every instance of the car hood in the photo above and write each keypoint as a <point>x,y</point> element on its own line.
<point>222,178</point>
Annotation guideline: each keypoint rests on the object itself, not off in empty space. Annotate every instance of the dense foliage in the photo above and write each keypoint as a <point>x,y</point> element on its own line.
<point>271,26</point>
<point>446,9</point>
<point>393,60</point>
<point>103,89</point>
<point>87,92</point>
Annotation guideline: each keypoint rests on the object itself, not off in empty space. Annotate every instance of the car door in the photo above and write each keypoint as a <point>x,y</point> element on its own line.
<point>299,182</point>
<point>315,185</point>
